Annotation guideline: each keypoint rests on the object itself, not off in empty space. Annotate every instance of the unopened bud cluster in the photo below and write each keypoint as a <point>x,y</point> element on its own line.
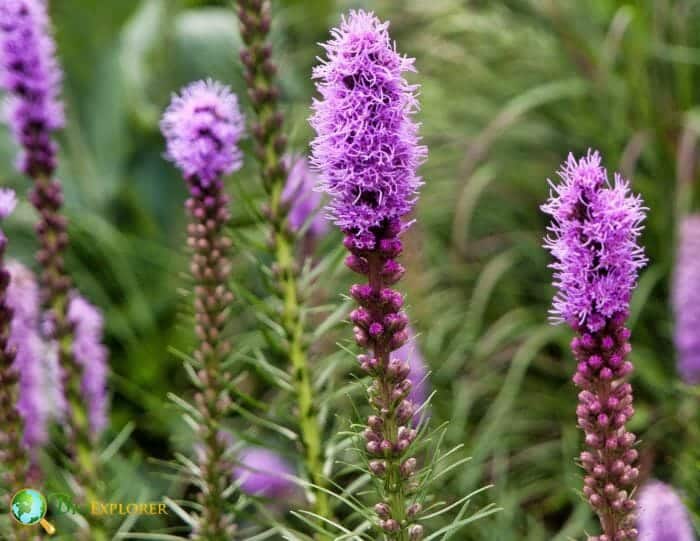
<point>210,268</point>
<point>260,70</point>
<point>380,325</point>
<point>605,406</point>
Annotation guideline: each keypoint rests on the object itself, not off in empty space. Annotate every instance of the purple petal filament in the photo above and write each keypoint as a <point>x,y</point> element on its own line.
<point>686,300</point>
<point>302,199</point>
<point>367,144</point>
<point>91,355</point>
<point>203,126</point>
<point>263,472</point>
<point>662,515</point>
<point>32,77</point>
<point>593,240</point>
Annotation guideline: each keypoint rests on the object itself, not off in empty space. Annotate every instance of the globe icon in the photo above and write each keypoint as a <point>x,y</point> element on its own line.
<point>28,506</point>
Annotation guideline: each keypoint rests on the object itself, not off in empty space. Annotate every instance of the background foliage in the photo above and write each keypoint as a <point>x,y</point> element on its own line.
<point>508,88</point>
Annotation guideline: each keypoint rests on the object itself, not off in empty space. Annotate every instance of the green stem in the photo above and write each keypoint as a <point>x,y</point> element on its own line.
<point>270,144</point>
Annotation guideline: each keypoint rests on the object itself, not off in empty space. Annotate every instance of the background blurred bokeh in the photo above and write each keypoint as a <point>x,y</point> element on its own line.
<point>508,89</point>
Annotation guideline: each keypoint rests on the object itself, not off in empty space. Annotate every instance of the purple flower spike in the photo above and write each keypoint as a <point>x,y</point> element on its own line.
<point>686,300</point>
<point>662,515</point>
<point>367,150</point>
<point>303,200</point>
<point>32,77</point>
<point>92,355</point>
<point>367,144</point>
<point>8,202</point>
<point>203,126</point>
<point>263,472</point>
<point>593,239</point>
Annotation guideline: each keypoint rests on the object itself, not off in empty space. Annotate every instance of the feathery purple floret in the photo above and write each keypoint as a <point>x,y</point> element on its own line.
<point>593,239</point>
<point>34,360</point>
<point>203,126</point>
<point>32,77</point>
<point>686,300</point>
<point>91,355</point>
<point>662,515</point>
<point>367,147</point>
<point>263,472</point>
<point>301,197</point>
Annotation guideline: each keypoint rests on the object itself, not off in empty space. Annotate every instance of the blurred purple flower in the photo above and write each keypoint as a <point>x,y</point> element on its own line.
<point>418,375</point>
<point>686,300</point>
<point>36,363</point>
<point>662,515</point>
<point>262,472</point>
<point>366,147</point>
<point>32,77</point>
<point>593,239</point>
<point>203,126</point>
<point>92,356</point>
<point>302,199</point>
<point>8,202</point>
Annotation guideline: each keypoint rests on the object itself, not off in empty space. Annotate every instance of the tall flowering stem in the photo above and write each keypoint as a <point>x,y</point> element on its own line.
<point>202,127</point>
<point>367,150</point>
<point>593,239</point>
<point>13,454</point>
<point>32,77</point>
<point>270,144</point>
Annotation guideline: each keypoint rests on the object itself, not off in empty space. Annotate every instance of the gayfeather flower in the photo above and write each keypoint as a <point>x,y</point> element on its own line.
<point>367,151</point>
<point>92,356</point>
<point>32,77</point>
<point>202,127</point>
<point>686,300</point>
<point>662,515</point>
<point>367,144</point>
<point>593,239</point>
<point>263,472</point>
<point>303,200</point>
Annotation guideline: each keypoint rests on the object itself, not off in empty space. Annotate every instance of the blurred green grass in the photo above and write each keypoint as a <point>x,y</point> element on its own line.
<point>508,88</point>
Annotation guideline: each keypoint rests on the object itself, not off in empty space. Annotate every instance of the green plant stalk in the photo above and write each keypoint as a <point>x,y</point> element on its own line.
<point>308,414</point>
<point>270,144</point>
<point>55,285</point>
<point>211,270</point>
